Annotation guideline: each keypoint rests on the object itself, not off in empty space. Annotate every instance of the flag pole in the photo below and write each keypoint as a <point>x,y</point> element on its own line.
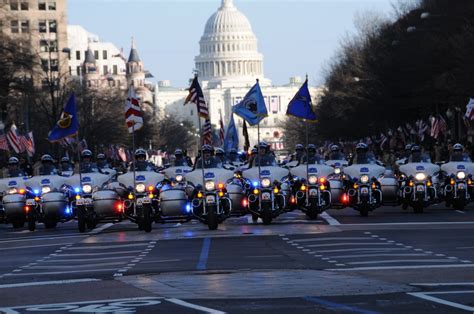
<point>79,161</point>
<point>307,143</point>
<point>258,150</point>
<point>196,75</point>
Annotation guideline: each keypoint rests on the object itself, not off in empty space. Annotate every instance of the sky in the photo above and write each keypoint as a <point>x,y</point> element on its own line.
<point>296,37</point>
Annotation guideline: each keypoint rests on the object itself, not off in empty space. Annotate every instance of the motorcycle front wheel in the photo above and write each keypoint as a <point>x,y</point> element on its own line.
<point>212,222</point>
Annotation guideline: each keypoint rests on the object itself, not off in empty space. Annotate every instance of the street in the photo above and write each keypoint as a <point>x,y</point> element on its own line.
<point>394,261</point>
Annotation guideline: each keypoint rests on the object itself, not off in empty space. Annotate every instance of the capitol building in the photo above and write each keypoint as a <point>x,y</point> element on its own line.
<point>228,65</point>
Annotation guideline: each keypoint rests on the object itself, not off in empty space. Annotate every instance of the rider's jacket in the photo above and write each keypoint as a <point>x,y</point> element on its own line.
<point>88,167</point>
<point>181,162</point>
<point>315,159</point>
<point>47,170</point>
<point>264,161</point>
<point>142,166</point>
<point>15,173</point>
<point>209,163</point>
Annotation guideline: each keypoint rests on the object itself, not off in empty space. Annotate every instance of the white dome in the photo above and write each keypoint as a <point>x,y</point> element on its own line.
<point>228,49</point>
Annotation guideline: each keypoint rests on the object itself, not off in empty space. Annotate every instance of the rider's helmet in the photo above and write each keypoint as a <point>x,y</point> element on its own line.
<point>220,152</point>
<point>178,152</point>
<point>233,151</point>
<point>362,147</point>
<point>415,149</point>
<point>254,150</point>
<point>13,161</point>
<point>65,159</point>
<point>262,145</point>
<point>46,158</point>
<point>86,153</point>
<point>207,148</point>
<point>408,147</point>
<point>334,148</point>
<point>458,147</point>
<point>311,147</point>
<point>299,147</point>
<point>101,157</point>
<point>140,153</point>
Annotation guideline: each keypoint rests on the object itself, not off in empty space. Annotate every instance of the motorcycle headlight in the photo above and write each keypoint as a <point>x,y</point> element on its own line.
<point>364,178</point>
<point>210,185</point>
<point>266,183</point>
<point>179,178</point>
<point>337,170</point>
<point>87,188</point>
<point>420,176</point>
<point>12,191</point>
<point>45,189</point>
<point>461,175</point>
<point>312,179</point>
<point>140,187</point>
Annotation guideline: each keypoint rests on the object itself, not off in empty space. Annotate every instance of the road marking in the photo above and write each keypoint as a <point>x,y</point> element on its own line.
<point>330,239</point>
<point>262,256</point>
<point>161,261</point>
<point>443,284</point>
<point>74,266</point>
<point>206,245</point>
<point>428,296</point>
<point>194,306</point>
<point>458,248</point>
<point>98,254</point>
<point>413,223</point>
<point>43,238</point>
<point>460,211</point>
<point>345,243</point>
<point>362,250</point>
<point>337,306</point>
<point>44,283</point>
<point>401,261</point>
<point>88,259</point>
<point>404,267</point>
<point>31,246</point>
<point>378,255</point>
<point>118,246</point>
<point>101,228</point>
<point>330,220</point>
<point>60,272</point>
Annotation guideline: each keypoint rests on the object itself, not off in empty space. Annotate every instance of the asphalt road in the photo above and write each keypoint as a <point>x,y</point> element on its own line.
<point>393,261</point>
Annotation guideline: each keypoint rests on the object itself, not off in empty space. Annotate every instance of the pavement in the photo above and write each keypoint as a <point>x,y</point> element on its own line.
<point>393,261</point>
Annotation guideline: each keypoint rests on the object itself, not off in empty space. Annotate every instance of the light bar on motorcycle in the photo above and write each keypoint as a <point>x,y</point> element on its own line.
<point>45,189</point>
<point>420,176</point>
<point>140,187</point>
<point>87,188</point>
<point>461,175</point>
<point>364,179</point>
<point>266,183</point>
<point>312,179</point>
<point>210,185</point>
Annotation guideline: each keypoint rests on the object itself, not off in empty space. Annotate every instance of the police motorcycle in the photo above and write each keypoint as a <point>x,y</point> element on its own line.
<point>210,201</point>
<point>311,187</point>
<point>337,161</point>
<point>362,181</point>
<point>14,192</point>
<point>175,192</point>
<point>140,189</point>
<point>48,200</point>
<point>419,181</point>
<point>95,199</point>
<point>458,185</point>
<point>267,194</point>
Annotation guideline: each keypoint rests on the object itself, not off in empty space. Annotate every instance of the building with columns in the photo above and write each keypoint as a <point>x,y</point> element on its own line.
<point>228,65</point>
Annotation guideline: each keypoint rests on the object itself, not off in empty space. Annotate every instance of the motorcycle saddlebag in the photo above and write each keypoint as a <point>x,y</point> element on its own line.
<point>337,190</point>
<point>105,203</point>
<point>389,190</point>
<point>173,202</point>
<point>13,204</point>
<point>54,203</point>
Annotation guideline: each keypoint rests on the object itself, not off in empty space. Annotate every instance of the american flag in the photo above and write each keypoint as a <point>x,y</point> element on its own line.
<point>112,152</point>
<point>82,145</point>
<point>133,112</point>
<point>3,142</point>
<point>28,143</point>
<point>14,139</point>
<point>470,110</point>
<point>196,96</point>
<point>207,132</point>
<point>221,131</point>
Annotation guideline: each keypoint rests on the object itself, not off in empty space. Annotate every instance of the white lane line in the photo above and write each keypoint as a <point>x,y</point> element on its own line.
<point>101,228</point>
<point>401,261</point>
<point>43,238</point>
<point>102,247</point>
<point>163,261</point>
<point>460,211</point>
<point>345,243</point>
<point>331,239</point>
<point>30,246</point>
<point>458,248</point>
<point>363,250</point>
<point>413,223</point>
<point>75,266</point>
<point>428,296</point>
<point>60,272</point>
<point>378,255</point>
<point>404,267</point>
<point>443,284</point>
<point>45,283</point>
<point>98,254</point>
<point>194,306</point>
<point>88,259</point>
<point>330,220</point>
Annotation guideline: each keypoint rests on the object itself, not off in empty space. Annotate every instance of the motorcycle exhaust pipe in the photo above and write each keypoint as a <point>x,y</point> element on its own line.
<point>128,204</point>
<point>352,193</point>
<point>252,198</point>
<point>299,195</point>
<point>407,190</point>
<point>196,203</point>
<point>448,188</point>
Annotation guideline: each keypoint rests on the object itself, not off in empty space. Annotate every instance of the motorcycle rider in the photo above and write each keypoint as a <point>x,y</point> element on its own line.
<point>311,156</point>
<point>335,153</point>
<point>180,160</point>
<point>14,170</point>
<point>26,167</point>
<point>416,155</point>
<point>265,157</point>
<point>208,160</point>
<point>362,155</point>
<point>141,163</point>
<point>102,162</point>
<point>457,153</point>
<point>87,166</point>
<point>299,152</point>
<point>65,164</point>
<point>233,155</point>
<point>47,166</point>
<point>220,156</point>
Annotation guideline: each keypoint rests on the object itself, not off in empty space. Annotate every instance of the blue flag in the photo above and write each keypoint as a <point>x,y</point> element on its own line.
<point>68,124</point>
<point>231,139</point>
<point>252,108</point>
<point>301,106</point>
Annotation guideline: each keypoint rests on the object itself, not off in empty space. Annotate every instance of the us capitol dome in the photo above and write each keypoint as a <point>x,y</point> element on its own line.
<point>229,54</point>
